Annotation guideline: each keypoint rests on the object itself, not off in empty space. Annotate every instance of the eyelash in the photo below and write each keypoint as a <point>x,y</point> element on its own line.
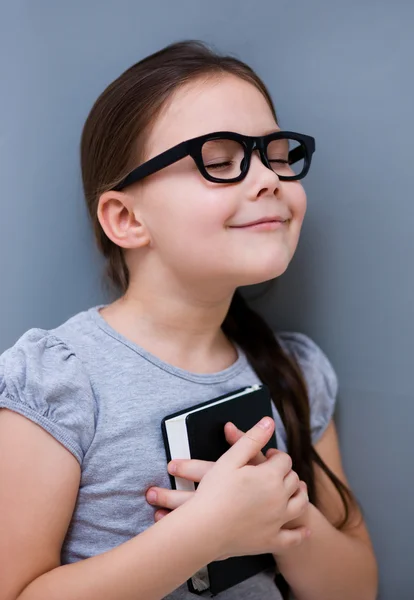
<point>218,165</point>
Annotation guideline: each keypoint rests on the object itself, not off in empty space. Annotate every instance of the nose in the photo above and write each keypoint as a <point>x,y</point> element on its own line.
<point>265,180</point>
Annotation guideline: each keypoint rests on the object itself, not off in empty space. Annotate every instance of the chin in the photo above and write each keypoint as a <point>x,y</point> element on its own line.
<point>264,273</point>
<point>261,264</point>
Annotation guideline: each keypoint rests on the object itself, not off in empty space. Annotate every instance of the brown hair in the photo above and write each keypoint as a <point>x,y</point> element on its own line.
<point>113,134</point>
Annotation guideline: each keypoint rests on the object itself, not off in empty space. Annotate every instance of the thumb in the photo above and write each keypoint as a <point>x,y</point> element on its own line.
<point>249,444</point>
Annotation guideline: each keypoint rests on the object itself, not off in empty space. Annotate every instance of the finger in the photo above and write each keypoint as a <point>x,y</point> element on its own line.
<point>297,504</point>
<point>288,538</point>
<point>280,461</point>
<point>233,434</point>
<point>167,498</point>
<point>191,469</point>
<point>271,452</point>
<point>248,445</point>
<point>292,483</point>
<point>159,514</point>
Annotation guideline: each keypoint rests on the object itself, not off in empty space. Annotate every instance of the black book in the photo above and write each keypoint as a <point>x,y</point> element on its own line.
<point>198,432</point>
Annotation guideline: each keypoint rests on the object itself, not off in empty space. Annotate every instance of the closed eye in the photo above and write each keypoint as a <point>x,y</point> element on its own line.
<point>220,165</point>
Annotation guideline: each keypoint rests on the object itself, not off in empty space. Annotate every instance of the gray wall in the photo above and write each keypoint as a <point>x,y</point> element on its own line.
<point>339,71</point>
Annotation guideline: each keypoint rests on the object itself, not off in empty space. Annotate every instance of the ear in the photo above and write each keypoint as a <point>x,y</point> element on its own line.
<point>121,220</point>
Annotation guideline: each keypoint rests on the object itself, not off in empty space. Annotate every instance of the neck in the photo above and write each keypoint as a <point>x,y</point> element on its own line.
<point>183,329</point>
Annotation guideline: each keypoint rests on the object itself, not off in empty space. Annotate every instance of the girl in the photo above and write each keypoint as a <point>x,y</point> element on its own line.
<point>194,190</point>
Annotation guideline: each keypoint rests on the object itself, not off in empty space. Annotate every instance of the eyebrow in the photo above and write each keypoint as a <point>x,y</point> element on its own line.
<point>266,132</point>
<point>269,131</point>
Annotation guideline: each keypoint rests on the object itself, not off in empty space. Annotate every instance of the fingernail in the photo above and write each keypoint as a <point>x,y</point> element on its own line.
<point>152,496</point>
<point>172,468</point>
<point>265,423</point>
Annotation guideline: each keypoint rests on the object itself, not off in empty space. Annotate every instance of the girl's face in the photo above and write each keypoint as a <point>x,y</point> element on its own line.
<point>194,225</point>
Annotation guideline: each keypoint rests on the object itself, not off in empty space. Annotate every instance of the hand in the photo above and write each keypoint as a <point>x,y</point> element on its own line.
<point>232,435</point>
<point>259,498</point>
<point>193,470</point>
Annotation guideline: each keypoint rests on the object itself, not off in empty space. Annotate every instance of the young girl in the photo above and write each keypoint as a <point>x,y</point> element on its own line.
<point>194,191</point>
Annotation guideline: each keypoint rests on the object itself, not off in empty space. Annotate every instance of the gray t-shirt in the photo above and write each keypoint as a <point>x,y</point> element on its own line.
<point>103,398</point>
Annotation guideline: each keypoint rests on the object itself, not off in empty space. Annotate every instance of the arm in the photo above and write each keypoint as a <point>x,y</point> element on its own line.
<point>331,563</point>
<point>39,484</point>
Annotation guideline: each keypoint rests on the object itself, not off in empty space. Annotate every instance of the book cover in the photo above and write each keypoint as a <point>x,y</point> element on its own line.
<point>198,432</point>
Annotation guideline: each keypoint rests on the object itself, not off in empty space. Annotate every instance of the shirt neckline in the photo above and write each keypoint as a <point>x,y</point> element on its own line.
<point>206,378</point>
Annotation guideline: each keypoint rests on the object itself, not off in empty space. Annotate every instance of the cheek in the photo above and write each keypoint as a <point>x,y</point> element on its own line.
<point>298,202</point>
<point>190,212</point>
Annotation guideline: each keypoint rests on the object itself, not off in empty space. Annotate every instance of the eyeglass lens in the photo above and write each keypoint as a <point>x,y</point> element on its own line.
<point>223,158</point>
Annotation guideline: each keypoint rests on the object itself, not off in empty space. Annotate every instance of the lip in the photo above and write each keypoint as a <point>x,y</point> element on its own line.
<point>263,221</point>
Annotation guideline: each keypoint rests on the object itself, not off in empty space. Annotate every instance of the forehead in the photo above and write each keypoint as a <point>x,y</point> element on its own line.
<point>226,103</point>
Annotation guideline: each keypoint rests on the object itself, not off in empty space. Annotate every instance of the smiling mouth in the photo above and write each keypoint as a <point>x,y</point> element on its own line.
<point>263,224</point>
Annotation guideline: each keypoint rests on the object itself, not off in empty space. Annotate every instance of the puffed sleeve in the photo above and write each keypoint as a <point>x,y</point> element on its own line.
<point>42,379</point>
<point>319,375</point>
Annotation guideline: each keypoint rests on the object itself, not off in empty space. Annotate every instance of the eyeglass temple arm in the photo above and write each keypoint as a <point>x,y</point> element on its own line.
<point>165,159</point>
<point>296,154</point>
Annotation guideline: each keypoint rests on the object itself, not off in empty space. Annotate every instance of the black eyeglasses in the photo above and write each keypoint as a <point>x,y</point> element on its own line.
<point>224,156</point>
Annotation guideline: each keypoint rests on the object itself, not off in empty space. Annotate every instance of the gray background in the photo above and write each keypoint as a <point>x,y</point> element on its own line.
<point>339,71</point>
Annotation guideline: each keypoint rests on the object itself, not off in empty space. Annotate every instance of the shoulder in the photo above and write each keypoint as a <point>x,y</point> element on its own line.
<point>319,375</point>
<point>42,378</point>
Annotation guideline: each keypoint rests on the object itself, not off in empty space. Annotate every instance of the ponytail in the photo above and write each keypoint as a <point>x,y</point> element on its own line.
<point>287,386</point>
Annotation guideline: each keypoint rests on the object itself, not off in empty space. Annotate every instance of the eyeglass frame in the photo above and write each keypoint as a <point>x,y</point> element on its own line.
<point>193,148</point>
